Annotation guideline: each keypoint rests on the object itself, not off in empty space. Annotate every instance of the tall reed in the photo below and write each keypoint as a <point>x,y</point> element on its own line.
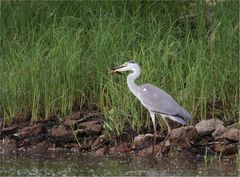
<point>54,55</point>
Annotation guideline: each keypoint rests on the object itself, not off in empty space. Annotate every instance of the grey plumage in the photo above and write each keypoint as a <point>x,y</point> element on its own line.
<point>154,99</point>
<point>159,101</point>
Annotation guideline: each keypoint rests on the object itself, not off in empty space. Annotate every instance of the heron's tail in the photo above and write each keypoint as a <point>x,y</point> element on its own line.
<point>178,119</point>
<point>183,115</point>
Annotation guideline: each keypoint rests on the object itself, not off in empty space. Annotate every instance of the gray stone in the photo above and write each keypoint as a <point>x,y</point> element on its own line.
<point>225,149</point>
<point>100,142</point>
<point>32,130</point>
<point>206,127</point>
<point>183,135</point>
<point>9,130</point>
<point>61,133</point>
<point>144,140</point>
<point>232,134</point>
<point>121,148</point>
<point>220,130</point>
<point>91,128</point>
<point>72,120</point>
<point>148,151</point>
<point>101,151</point>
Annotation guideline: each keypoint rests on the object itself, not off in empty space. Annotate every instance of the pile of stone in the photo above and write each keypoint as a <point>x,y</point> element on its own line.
<point>76,132</point>
<point>210,135</point>
<point>83,132</point>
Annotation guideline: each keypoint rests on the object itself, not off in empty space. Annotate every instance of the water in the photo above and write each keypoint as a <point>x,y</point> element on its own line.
<point>68,164</point>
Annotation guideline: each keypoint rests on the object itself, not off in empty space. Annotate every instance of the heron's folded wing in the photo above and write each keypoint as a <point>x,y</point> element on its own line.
<point>158,100</point>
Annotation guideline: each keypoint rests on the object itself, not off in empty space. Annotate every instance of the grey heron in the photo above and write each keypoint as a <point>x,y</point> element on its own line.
<point>155,100</point>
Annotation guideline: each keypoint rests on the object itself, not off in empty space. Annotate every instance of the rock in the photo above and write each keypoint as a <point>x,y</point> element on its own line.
<point>8,146</point>
<point>234,125</point>
<point>73,116</point>
<point>61,134</point>
<point>29,141</point>
<point>148,151</point>
<point>145,140</point>
<point>71,123</point>
<point>142,141</point>
<point>40,148</point>
<point>206,127</point>
<point>73,145</point>
<point>72,120</point>
<point>56,149</point>
<point>91,128</point>
<point>232,134</point>
<point>183,136</point>
<point>76,149</point>
<point>220,130</point>
<point>9,130</point>
<point>32,130</point>
<point>122,148</point>
<point>225,149</point>
<point>80,133</point>
<point>101,151</point>
<point>100,142</point>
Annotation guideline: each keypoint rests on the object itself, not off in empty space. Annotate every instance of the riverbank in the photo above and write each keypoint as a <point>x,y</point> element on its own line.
<point>82,132</point>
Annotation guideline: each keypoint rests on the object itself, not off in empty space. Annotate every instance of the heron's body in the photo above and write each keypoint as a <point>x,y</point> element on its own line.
<point>153,98</point>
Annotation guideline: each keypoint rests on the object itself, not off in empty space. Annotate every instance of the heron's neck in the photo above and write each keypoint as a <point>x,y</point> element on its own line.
<point>134,88</point>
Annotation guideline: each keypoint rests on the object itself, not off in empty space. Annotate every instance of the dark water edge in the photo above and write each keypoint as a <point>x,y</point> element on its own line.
<point>74,164</point>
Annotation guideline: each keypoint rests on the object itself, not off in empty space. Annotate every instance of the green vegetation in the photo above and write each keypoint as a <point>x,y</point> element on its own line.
<point>54,56</point>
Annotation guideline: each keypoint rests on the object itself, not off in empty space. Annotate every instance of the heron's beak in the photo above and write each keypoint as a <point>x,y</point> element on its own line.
<point>110,71</point>
<point>114,70</point>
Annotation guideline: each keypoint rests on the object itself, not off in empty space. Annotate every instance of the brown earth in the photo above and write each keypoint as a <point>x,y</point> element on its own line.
<point>83,132</point>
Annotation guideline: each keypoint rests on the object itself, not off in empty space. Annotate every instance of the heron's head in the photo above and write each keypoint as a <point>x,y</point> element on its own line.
<point>127,66</point>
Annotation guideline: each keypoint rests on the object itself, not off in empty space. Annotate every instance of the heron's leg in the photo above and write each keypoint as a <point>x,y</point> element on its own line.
<point>169,132</point>
<point>152,114</point>
<point>169,128</point>
<point>166,137</point>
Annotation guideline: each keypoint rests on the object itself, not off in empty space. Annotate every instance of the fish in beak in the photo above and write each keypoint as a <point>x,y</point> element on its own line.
<point>115,70</point>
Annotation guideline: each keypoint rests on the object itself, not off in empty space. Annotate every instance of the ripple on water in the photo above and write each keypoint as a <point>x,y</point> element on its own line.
<point>66,164</point>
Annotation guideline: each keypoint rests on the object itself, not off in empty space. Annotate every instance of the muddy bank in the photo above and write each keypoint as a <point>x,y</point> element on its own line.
<point>83,132</point>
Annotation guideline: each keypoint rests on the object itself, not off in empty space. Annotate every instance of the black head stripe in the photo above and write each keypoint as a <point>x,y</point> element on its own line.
<point>117,67</point>
<point>131,61</point>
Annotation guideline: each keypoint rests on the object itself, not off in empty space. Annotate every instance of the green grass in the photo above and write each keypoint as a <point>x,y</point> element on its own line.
<point>54,55</point>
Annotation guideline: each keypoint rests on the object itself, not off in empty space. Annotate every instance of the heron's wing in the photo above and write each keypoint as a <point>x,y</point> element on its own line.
<point>158,100</point>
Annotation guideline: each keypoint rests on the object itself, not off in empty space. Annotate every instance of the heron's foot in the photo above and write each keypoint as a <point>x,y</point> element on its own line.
<point>163,148</point>
<point>159,154</point>
<point>169,132</point>
<point>153,150</point>
<point>161,151</point>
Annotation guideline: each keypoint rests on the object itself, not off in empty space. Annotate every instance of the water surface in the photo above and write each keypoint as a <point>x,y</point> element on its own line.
<point>73,164</point>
